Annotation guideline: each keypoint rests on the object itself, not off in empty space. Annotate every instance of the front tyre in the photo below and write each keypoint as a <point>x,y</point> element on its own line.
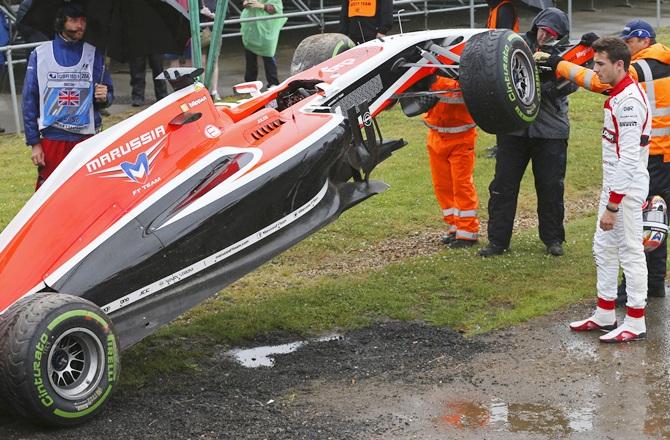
<point>499,80</point>
<point>59,359</point>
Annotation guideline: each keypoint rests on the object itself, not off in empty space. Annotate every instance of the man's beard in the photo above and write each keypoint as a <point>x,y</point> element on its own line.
<point>73,35</point>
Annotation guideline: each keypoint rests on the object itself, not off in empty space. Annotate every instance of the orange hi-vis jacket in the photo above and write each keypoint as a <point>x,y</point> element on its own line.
<point>449,115</point>
<point>451,150</point>
<point>492,22</point>
<point>651,68</point>
<point>362,8</point>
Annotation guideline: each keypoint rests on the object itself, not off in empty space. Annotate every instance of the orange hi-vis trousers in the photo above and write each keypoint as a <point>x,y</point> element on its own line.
<point>452,162</point>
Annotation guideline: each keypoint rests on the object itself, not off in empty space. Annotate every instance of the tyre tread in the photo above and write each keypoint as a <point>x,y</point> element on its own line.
<point>478,75</point>
<point>16,331</point>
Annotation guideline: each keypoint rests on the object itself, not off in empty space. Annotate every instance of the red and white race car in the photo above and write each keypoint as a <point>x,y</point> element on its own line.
<point>161,211</point>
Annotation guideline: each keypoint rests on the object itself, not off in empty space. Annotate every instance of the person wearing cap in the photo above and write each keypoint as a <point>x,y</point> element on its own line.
<point>544,143</point>
<point>617,242</point>
<point>66,85</point>
<point>650,66</point>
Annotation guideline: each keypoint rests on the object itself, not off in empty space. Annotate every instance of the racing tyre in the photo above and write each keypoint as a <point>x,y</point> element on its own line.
<point>318,48</point>
<point>500,82</point>
<point>59,359</point>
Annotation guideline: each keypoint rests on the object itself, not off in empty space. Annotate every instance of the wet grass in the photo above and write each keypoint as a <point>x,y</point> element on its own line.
<point>446,288</point>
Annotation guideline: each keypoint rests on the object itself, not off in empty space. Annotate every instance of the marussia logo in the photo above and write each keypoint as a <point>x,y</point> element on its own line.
<point>136,171</point>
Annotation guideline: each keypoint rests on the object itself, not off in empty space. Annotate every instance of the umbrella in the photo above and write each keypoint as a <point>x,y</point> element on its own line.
<point>122,28</point>
<point>539,4</point>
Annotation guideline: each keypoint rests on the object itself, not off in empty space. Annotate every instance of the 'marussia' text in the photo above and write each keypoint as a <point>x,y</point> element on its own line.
<point>122,150</point>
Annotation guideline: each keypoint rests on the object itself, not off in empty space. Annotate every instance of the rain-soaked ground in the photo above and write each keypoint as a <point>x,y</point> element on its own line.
<point>406,381</point>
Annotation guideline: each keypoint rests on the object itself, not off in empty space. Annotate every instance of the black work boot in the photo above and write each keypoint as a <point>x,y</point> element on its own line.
<point>656,290</point>
<point>446,239</point>
<point>555,249</point>
<point>459,243</point>
<point>492,250</point>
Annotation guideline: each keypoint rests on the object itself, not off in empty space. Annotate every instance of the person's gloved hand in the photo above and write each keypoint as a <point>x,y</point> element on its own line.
<point>553,61</point>
<point>588,39</point>
<point>541,57</point>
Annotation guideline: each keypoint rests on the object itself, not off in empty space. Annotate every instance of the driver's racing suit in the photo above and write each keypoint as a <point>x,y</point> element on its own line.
<point>625,152</point>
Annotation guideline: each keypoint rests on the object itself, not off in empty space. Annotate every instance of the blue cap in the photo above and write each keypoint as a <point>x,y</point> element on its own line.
<point>638,28</point>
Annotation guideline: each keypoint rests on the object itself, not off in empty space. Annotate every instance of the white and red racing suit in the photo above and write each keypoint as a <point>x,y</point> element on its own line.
<point>625,143</point>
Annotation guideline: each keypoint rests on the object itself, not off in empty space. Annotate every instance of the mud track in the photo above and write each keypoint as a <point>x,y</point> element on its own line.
<point>222,399</point>
<point>407,381</point>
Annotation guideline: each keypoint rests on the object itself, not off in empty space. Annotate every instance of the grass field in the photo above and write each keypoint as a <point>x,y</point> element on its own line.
<point>327,283</point>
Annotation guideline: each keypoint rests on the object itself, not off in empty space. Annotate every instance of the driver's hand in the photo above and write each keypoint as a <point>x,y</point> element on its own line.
<point>541,57</point>
<point>607,221</point>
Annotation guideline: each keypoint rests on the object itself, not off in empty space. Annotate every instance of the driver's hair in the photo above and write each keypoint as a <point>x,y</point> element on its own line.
<point>615,49</point>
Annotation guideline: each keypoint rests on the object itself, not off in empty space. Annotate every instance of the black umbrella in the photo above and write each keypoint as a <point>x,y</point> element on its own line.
<point>539,4</point>
<point>122,28</point>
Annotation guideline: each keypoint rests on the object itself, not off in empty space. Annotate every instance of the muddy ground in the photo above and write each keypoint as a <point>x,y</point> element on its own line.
<point>407,381</point>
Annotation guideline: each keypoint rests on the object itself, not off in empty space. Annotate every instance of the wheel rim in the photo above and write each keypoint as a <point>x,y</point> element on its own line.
<point>75,365</point>
<point>523,78</point>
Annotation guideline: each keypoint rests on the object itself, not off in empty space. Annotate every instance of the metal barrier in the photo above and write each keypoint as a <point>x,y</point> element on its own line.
<point>12,83</point>
<point>315,18</point>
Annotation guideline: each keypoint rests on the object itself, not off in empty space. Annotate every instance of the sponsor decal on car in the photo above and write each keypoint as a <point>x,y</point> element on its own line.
<point>197,102</point>
<point>125,149</point>
<point>135,170</point>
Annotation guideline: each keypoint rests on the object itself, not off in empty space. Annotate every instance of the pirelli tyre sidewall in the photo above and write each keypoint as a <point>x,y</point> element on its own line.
<point>62,359</point>
<point>316,49</point>
<point>500,82</point>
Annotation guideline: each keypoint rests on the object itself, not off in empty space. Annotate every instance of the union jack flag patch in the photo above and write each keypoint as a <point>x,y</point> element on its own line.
<point>68,97</point>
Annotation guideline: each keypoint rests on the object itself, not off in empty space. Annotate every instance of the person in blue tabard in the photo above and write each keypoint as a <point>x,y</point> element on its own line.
<point>65,88</point>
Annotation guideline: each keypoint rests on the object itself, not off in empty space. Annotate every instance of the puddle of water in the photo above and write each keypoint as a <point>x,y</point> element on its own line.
<point>466,415</point>
<point>517,417</point>
<point>499,412</point>
<point>581,420</point>
<point>264,356</point>
<point>536,418</point>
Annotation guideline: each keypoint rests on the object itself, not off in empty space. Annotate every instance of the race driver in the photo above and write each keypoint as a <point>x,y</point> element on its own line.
<point>618,237</point>
<point>651,67</point>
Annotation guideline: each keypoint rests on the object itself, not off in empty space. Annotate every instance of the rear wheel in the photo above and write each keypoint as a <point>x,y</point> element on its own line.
<point>500,83</point>
<point>59,359</point>
<point>318,48</point>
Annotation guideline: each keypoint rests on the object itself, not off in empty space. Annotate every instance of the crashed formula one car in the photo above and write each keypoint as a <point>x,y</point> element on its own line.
<point>161,211</point>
